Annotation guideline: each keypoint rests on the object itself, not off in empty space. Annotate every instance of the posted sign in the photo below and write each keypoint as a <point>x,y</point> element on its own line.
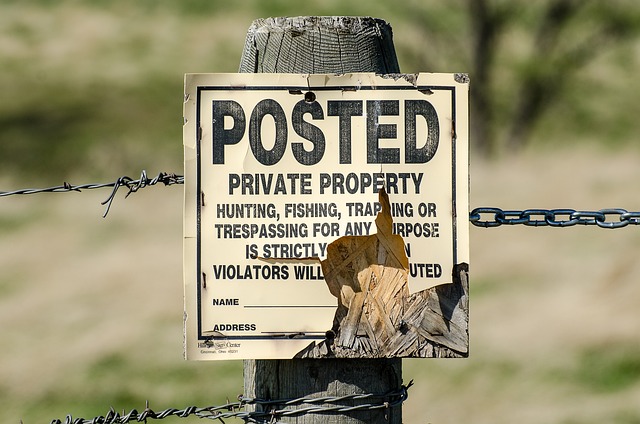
<point>280,166</point>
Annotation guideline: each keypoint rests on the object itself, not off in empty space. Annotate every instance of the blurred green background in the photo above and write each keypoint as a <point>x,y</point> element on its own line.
<point>92,87</point>
<point>91,309</point>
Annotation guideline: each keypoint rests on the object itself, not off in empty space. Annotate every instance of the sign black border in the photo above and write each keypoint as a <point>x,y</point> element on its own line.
<point>303,89</point>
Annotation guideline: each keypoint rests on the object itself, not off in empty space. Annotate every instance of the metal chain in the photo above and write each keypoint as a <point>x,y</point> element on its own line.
<point>604,218</point>
<point>272,409</point>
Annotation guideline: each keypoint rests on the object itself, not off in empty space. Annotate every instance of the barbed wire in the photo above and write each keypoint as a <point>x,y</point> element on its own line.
<point>493,217</point>
<point>124,181</point>
<point>271,409</point>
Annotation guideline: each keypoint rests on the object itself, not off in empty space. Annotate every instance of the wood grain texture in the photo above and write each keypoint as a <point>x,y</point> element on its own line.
<point>319,45</point>
<point>290,379</point>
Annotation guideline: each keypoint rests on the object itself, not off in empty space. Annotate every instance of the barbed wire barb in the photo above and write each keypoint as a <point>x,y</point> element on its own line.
<point>142,182</point>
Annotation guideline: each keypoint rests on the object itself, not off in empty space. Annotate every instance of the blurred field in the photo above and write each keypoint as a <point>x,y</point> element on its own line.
<point>91,308</point>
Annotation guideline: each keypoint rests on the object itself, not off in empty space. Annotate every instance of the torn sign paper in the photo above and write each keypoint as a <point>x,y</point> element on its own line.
<point>287,164</point>
<point>376,317</point>
<point>368,275</point>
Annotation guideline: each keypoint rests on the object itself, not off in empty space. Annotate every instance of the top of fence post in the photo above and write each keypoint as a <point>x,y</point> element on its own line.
<point>327,45</point>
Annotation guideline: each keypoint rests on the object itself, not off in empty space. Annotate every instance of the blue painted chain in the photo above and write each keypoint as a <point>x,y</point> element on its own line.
<point>604,218</point>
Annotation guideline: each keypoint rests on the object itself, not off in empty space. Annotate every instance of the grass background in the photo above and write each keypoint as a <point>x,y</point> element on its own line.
<point>91,308</point>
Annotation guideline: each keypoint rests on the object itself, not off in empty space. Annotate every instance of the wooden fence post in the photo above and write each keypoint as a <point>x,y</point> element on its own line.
<point>322,45</point>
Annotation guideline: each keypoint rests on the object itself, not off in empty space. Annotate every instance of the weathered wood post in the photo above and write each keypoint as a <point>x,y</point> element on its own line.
<point>322,45</point>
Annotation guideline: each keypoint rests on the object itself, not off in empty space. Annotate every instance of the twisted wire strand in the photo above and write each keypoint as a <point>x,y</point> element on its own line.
<point>388,400</point>
<point>132,185</point>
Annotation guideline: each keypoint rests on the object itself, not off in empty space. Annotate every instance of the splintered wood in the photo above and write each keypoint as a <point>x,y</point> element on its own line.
<point>376,316</point>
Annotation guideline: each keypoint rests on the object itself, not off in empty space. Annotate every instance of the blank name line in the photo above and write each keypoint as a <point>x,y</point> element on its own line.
<point>290,306</point>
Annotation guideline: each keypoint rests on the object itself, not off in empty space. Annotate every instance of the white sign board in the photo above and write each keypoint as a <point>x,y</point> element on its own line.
<point>279,166</point>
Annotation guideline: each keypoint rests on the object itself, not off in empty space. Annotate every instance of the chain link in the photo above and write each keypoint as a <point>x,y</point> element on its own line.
<point>604,218</point>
